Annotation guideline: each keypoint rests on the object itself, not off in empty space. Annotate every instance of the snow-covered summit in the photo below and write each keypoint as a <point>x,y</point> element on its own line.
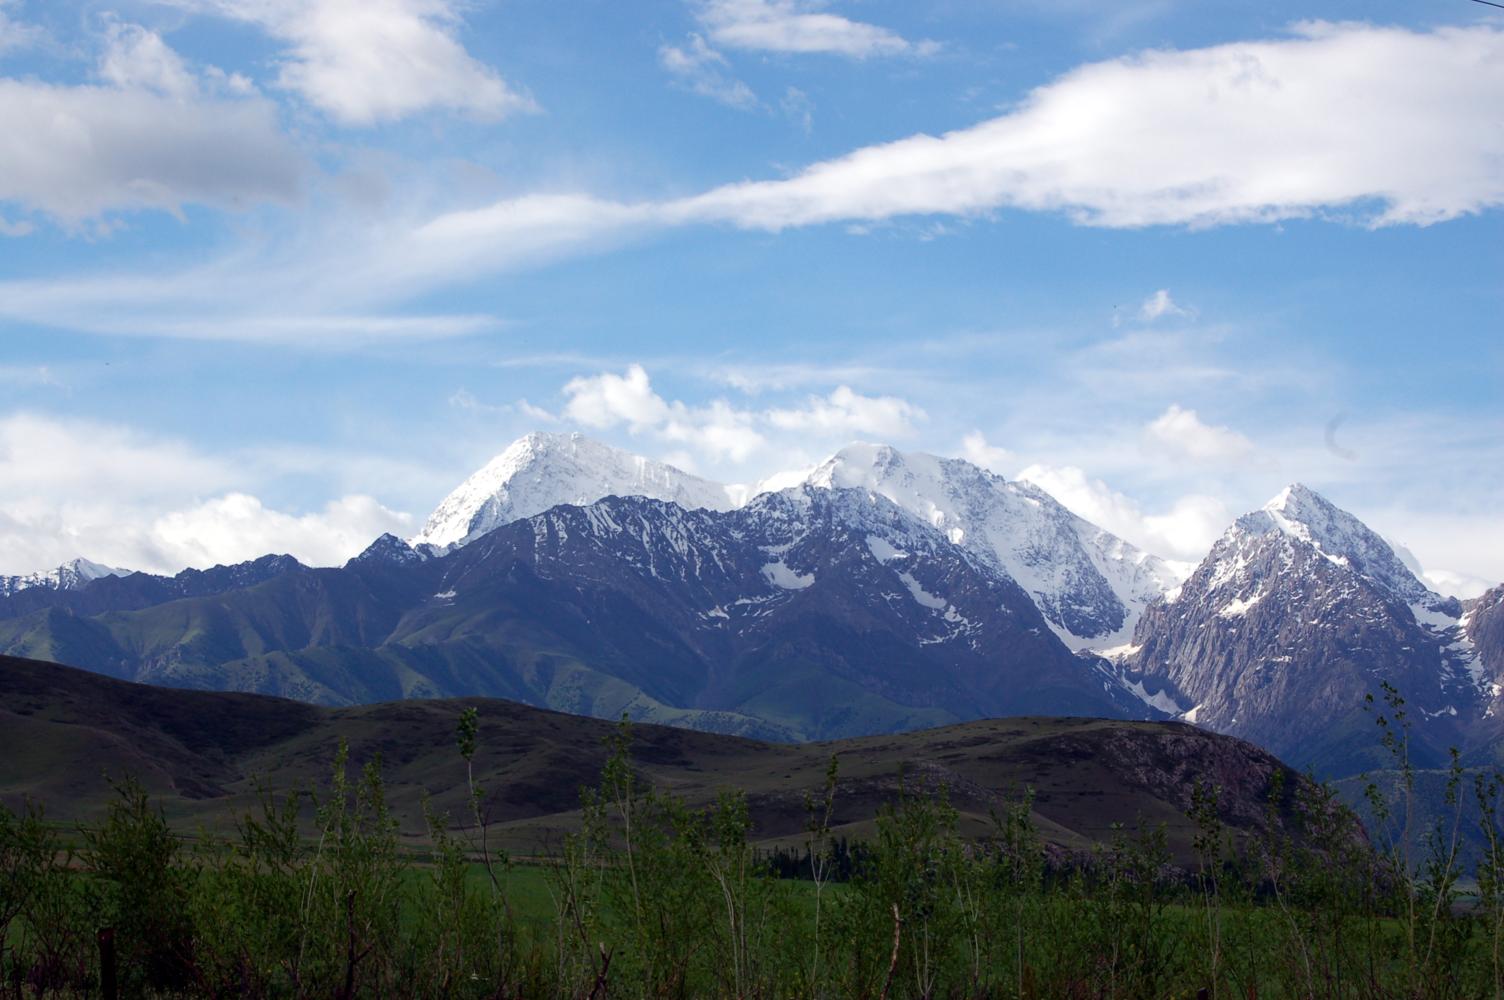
<point>1090,585</point>
<point>540,471</point>
<point>1300,513</point>
<point>68,576</point>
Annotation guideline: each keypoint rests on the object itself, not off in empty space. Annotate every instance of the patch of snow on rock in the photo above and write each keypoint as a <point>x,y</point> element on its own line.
<point>779,575</point>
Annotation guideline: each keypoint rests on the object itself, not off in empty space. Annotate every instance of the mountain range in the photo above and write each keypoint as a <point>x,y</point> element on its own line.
<point>884,591</point>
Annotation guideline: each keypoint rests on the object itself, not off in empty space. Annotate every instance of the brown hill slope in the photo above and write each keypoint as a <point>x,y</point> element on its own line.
<point>63,730</point>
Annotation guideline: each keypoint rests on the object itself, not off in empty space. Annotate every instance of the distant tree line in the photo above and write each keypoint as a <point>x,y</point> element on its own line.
<point>652,898</point>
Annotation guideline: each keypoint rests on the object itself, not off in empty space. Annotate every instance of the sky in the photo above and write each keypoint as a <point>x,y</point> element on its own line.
<point>275,275</point>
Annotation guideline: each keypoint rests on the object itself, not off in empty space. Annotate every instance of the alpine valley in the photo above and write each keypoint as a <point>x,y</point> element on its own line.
<point>883,592</point>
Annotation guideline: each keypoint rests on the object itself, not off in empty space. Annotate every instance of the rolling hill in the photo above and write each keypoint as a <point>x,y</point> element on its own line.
<point>63,732</point>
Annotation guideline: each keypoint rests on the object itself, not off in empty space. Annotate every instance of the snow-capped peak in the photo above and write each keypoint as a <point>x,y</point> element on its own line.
<point>69,576</point>
<point>1301,513</point>
<point>1090,585</point>
<point>541,470</point>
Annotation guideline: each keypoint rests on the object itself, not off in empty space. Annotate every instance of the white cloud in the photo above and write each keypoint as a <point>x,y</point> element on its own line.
<point>846,411</point>
<point>237,526</point>
<point>363,62</point>
<point>71,488</point>
<point>1184,532</point>
<point>725,432</point>
<point>1325,122</point>
<point>135,58</point>
<point>609,400</point>
<point>1461,585</point>
<point>1461,551</point>
<point>792,26</point>
<point>976,450</point>
<point>77,152</point>
<point>41,456</point>
<point>1182,433</point>
<point>1384,124</point>
<point>718,430</point>
<point>1160,305</point>
<point>705,71</point>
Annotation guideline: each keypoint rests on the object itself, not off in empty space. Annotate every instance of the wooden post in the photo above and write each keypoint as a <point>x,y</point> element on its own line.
<point>109,985</point>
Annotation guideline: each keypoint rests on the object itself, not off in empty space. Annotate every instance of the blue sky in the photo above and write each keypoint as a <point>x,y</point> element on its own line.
<point>277,274</point>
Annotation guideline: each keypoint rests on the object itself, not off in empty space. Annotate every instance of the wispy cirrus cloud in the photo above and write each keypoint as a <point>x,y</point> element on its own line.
<point>1378,126</point>
<point>706,72</point>
<point>1324,122</point>
<point>792,26</point>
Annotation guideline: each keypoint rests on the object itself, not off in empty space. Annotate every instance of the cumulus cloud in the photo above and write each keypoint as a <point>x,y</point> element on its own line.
<point>845,411</point>
<point>1182,433</point>
<point>71,488</point>
<point>608,400</point>
<point>147,140</point>
<point>137,58</point>
<point>792,26</point>
<point>705,71</point>
<point>237,526</point>
<point>363,62</point>
<point>723,431</point>
<point>1184,532</point>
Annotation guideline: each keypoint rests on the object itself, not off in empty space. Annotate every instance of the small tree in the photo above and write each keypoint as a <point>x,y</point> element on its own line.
<point>144,884</point>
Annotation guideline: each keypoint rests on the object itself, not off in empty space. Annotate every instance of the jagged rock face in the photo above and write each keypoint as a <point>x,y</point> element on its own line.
<point>798,588</point>
<point>1296,616</point>
<point>540,471</point>
<point>1484,626</point>
<point>1089,584</point>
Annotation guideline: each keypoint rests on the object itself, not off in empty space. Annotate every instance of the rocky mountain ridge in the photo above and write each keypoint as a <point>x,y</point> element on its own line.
<point>1296,616</point>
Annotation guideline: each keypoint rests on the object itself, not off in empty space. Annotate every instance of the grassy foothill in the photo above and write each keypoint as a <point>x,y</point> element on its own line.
<point>315,895</point>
